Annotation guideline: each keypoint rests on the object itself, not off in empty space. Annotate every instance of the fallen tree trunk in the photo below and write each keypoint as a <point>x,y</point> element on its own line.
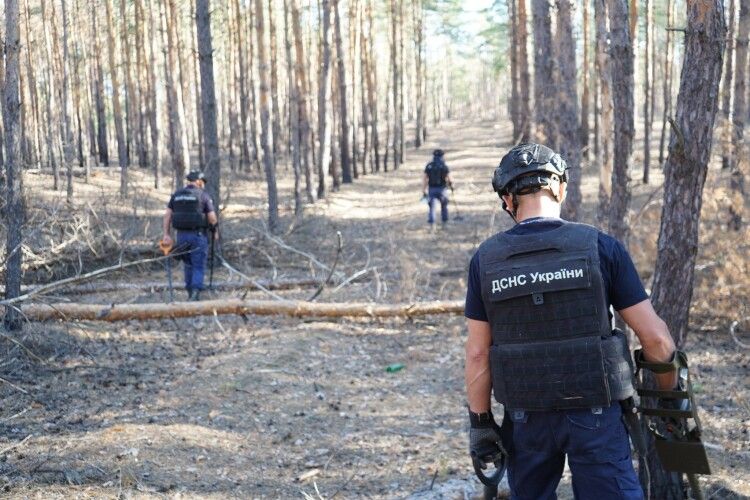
<point>157,286</point>
<point>114,312</point>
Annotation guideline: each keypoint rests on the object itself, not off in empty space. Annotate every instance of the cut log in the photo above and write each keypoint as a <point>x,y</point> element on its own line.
<point>298,309</point>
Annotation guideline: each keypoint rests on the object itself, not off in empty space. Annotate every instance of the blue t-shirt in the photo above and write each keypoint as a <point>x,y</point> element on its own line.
<point>622,284</point>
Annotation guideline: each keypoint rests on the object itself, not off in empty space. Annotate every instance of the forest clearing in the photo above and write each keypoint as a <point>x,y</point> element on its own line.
<point>275,407</point>
<point>224,275</point>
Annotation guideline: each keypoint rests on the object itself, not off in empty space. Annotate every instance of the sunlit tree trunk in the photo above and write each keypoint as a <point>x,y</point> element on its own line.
<point>122,147</point>
<point>667,66</point>
<point>294,107</point>
<point>275,111</point>
<point>65,105</point>
<point>346,167</point>
<point>647,61</point>
<point>269,164</point>
<point>324,92</point>
<point>304,97</point>
<point>101,116</point>
<point>153,112</point>
<point>585,85</point>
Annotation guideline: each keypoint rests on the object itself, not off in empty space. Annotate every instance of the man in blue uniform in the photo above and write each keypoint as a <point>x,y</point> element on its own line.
<point>435,182</point>
<point>540,338</point>
<point>191,212</point>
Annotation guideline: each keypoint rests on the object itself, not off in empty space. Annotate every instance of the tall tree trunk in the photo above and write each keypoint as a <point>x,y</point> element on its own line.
<point>372,102</point>
<point>667,66</point>
<point>544,74</point>
<point>32,87</point>
<point>65,106</point>
<point>131,101</point>
<point>195,63</point>
<point>586,91</point>
<point>254,118</point>
<point>177,136</point>
<point>684,177</point>
<point>739,157</point>
<point>567,108</point>
<point>621,60</point>
<point>726,93</point>
<point>514,85</point>
<point>605,114</point>
<point>294,107</point>
<point>152,99</point>
<point>647,60</point>
<point>245,148</point>
<point>269,164</point>
<point>275,111</point>
<point>324,92</point>
<point>346,166</point>
<point>101,114</point>
<point>142,91</point>
<point>303,96</point>
<point>122,147</point>
<point>524,79</point>
<point>418,14</point>
<point>208,100</point>
<point>14,206</point>
<point>52,133</point>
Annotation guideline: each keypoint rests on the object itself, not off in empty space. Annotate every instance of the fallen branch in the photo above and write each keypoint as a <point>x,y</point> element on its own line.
<point>733,333</point>
<point>158,286</point>
<point>75,279</point>
<point>339,247</point>
<point>297,309</point>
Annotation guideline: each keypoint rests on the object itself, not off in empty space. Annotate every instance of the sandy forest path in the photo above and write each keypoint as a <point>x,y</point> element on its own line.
<point>273,407</point>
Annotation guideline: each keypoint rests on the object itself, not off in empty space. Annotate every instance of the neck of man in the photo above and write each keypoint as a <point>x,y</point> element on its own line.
<point>539,204</point>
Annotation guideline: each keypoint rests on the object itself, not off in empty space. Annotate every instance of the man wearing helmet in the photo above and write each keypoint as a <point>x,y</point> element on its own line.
<point>436,179</point>
<point>540,338</point>
<point>191,212</point>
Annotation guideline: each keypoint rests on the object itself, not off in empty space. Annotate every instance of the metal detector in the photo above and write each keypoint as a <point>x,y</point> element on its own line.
<point>166,249</point>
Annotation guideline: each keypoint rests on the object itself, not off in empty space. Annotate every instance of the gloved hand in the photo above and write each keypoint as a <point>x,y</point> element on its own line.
<point>484,437</point>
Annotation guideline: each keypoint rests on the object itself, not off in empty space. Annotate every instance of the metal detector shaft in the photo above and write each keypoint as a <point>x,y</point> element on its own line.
<point>169,279</point>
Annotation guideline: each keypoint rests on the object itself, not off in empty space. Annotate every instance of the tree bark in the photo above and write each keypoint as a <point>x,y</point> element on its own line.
<point>621,60</point>
<point>101,116</point>
<point>726,93</point>
<point>544,74</point>
<point>585,85</point>
<point>275,112</point>
<point>524,79</point>
<point>667,66</point>
<point>372,78</point>
<point>153,114</point>
<point>297,309</point>
<point>684,177</point>
<point>269,164</point>
<point>177,136</point>
<point>324,92</point>
<point>294,106</point>
<point>739,158</point>
<point>65,106</point>
<point>346,166</point>
<point>122,146</point>
<point>647,61</point>
<point>14,209</point>
<point>605,114</point>
<point>419,129</point>
<point>208,100</point>
<point>569,131</point>
<point>304,96</point>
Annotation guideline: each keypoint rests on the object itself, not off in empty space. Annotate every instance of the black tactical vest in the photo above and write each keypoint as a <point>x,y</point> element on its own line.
<point>552,342</point>
<point>187,211</point>
<point>436,172</point>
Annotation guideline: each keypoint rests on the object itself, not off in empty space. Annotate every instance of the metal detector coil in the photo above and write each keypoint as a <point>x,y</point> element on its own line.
<point>677,431</point>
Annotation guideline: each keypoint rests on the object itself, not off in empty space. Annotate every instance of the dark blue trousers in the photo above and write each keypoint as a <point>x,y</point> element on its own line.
<point>596,443</point>
<point>437,194</point>
<point>195,244</point>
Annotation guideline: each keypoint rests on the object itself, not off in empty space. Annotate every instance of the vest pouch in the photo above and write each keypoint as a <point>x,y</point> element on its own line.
<point>565,374</point>
<point>619,366</point>
<point>186,212</point>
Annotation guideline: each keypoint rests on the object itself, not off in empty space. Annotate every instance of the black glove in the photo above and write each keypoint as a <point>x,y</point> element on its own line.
<point>484,436</point>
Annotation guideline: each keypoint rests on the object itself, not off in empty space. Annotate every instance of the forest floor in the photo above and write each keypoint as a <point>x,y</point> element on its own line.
<point>272,407</point>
